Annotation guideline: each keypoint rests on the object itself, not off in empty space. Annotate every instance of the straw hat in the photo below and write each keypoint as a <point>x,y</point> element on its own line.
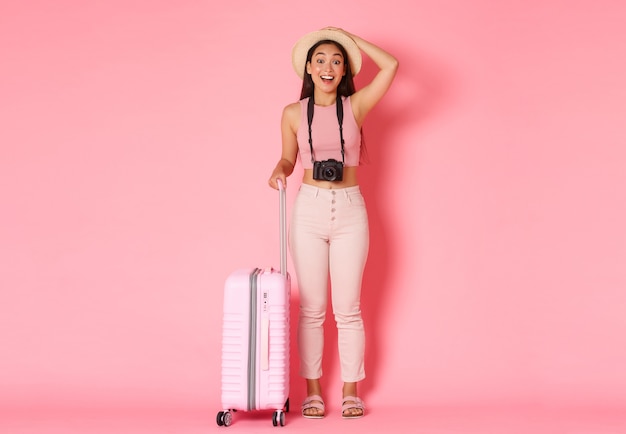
<point>301,48</point>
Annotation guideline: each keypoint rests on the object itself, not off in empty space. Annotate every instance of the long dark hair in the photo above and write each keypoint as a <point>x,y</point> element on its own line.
<point>346,86</point>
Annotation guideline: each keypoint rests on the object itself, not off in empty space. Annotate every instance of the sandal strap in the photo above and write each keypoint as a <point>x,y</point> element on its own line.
<point>350,402</point>
<point>313,401</point>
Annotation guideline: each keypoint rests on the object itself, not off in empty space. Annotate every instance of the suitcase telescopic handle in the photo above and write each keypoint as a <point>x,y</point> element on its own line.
<point>283,226</point>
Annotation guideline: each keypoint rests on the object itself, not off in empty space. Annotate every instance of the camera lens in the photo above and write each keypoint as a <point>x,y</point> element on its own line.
<point>330,173</point>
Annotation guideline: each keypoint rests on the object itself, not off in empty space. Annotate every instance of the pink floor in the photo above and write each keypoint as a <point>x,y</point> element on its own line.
<point>440,420</point>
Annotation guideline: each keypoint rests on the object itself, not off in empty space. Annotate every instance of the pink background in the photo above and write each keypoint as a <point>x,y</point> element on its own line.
<point>136,140</point>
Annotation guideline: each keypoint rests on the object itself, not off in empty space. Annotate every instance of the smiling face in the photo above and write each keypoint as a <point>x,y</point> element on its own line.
<point>326,67</point>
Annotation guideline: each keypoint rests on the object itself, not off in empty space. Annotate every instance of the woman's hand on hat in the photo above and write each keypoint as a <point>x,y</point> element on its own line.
<point>337,29</point>
<point>352,36</point>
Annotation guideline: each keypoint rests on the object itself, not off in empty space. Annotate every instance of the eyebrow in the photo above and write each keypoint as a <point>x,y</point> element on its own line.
<point>320,53</point>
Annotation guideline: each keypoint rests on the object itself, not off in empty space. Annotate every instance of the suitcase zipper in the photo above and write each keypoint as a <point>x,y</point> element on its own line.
<point>252,340</point>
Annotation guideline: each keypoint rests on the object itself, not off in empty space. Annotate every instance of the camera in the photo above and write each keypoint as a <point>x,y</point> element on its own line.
<point>328,170</point>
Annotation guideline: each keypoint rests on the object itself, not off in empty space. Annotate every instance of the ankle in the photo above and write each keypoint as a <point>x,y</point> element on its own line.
<point>313,387</point>
<point>349,389</point>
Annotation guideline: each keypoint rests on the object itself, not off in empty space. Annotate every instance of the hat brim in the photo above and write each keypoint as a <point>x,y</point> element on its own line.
<point>304,44</point>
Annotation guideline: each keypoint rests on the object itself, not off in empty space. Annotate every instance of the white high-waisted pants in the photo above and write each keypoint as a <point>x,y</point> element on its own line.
<point>329,236</point>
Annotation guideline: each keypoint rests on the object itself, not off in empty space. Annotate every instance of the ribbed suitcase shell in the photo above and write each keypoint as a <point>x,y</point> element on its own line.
<point>255,337</point>
<point>255,340</point>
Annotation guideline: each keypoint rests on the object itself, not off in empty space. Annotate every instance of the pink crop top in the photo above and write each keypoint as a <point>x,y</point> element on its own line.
<point>325,135</point>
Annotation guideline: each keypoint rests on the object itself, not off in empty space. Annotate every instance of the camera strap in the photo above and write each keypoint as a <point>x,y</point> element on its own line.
<point>309,114</point>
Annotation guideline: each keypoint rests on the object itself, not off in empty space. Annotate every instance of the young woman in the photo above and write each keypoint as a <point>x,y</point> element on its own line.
<point>329,233</point>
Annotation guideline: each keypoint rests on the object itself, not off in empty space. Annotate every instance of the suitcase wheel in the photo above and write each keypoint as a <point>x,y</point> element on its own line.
<point>224,418</point>
<point>278,418</point>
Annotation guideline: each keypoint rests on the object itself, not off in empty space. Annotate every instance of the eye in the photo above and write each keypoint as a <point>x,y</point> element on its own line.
<point>320,61</point>
<point>337,62</point>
